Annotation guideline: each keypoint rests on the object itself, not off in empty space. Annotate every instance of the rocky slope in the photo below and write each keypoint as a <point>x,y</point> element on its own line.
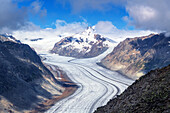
<point>149,94</point>
<point>82,45</point>
<point>8,37</point>
<point>136,56</point>
<point>24,80</point>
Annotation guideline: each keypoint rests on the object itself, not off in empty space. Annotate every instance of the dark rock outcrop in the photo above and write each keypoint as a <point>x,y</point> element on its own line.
<point>149,94</point>
<point>136,56</point>
<point>22,77</point>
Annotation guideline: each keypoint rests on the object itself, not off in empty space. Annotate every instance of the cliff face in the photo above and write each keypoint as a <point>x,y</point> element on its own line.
<point>24,80</point>
<point>149,94</point>
<point>136,56</point>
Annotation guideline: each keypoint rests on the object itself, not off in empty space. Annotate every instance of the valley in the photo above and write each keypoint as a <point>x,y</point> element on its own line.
<point>84,56</point>
<point>85,85</point>
<point>88,85</point>
<point>96,85</point>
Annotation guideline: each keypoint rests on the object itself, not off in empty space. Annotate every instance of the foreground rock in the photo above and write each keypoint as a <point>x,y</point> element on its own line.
<point>82,45</point>
<point>136,56</point>
<point>24,80</point>
<point>149,94</point>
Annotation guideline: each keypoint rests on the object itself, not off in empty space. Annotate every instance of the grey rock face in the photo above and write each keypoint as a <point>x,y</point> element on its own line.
<point>149,94</point>
<point>136,56</point>
<point>22,75</point>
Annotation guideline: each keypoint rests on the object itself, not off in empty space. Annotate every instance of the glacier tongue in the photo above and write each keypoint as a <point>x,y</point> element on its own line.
<point>96,84</point>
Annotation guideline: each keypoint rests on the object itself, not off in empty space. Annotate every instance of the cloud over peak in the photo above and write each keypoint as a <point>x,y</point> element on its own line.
<point>105,26</point>
<point>107,29</point>
<point>149,14</point>
<point>9,19</point>
<point>143,14</point>
<point>13,17</point>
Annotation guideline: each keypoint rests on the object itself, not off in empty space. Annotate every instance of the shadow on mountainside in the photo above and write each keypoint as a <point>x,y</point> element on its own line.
<point>21,75</point>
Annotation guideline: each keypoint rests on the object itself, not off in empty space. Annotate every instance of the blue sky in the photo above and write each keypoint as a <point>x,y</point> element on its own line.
<point>122,14</point>
<point>56,10</point>
<point>116,19</point>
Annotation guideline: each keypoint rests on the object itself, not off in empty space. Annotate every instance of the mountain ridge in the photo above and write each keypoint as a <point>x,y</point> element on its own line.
<point>24,80</point>
<point>149,94</point>
<point>136,56</point>
<point>82,45</point>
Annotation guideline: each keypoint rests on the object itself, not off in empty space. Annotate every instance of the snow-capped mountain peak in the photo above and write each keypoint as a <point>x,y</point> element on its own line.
<point>8,37</point>
<point>90,29</point>
<point>87,33</point>
<point>85,44</point>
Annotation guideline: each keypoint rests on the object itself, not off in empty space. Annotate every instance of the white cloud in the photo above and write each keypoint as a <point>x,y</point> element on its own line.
<point>107,29</point>
<point>145,14</point>
<point>37,8</point>
<point>73,27</point>
<point>29,26</point>
<point>142,13</point>
<point>11,17</point>
<point>105,26</point>
<point>62,27</point>
<point>50,36</point>
<point>149,14</point>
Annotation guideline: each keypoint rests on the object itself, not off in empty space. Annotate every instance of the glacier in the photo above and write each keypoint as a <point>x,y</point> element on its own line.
<point>97,85</point>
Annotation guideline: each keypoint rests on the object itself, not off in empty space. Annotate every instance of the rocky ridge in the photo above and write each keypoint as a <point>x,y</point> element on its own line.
<point>136,56</point>
<point>82,45</point>
<point>149,94</point>
<point>8,37</point>
<point>24,80</point>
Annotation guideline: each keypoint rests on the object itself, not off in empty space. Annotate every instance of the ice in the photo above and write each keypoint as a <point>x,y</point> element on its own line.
<point>97,85</point>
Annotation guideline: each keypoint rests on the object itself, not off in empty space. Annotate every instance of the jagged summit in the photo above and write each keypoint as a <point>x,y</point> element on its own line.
<point>90,29</point>
<point>81,45</point>
<point>8,37</point>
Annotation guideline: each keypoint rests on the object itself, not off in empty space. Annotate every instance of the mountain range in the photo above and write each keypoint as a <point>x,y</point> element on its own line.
<point>135,57</point>
<point>149,94</point>
<point>8,37</point>
<point>82,45</point>
<point>24,80</point>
